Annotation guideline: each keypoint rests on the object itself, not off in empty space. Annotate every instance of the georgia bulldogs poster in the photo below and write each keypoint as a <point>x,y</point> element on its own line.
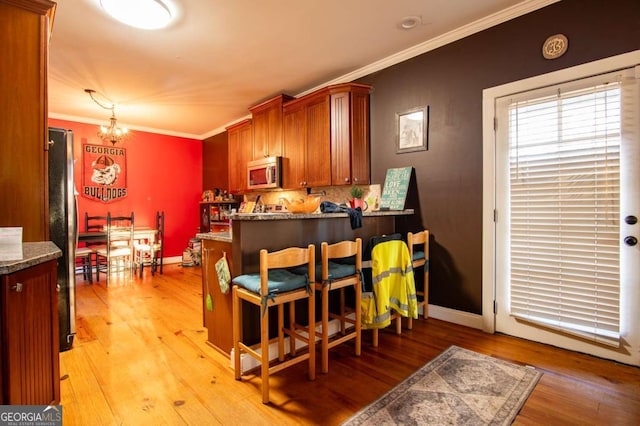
<point>104,172</point>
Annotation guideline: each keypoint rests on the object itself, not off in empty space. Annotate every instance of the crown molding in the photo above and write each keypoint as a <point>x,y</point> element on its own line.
<point>497,18</point>
<point>87,120</point>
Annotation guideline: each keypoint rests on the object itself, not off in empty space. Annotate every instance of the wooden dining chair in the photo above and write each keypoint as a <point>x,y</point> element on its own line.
<point>341,268</point>
<point>86,253</point>
<point>276,286</point>
<point>418,244</point>
<point>151,253</point>
<point>117,255</point>
<point>158,247</point>
<point>84,262</point>
<point>95,223</point>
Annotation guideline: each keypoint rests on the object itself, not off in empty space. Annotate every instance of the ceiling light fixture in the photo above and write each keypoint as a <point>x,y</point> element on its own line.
<point>409,22</point>
<point>111,133</point>
<point>145,14</point>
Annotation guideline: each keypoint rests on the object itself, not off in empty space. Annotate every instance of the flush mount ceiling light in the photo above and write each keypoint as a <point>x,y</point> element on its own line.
<point>145,14</point>
<point>409,22</point>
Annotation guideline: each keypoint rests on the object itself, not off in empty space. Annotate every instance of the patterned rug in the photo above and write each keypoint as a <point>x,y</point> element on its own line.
<point>458,387</point>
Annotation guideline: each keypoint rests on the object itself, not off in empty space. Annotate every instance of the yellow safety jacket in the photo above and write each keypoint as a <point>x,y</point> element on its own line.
<point>393,285</point>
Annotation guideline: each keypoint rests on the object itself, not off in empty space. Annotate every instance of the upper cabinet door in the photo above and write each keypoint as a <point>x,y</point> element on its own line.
<point>294,148</point>
<point>318,146</point>
<point>360,138</point>
<point>267,127</point>
<point>307,149</point>
<point>350,134</point>
<point>239,137</point>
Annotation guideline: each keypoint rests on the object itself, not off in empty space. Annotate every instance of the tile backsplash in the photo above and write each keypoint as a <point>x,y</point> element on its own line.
<point>334,194</point>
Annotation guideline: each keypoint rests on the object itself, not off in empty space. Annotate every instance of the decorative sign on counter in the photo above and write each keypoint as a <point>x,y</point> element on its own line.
<point>396,185</point>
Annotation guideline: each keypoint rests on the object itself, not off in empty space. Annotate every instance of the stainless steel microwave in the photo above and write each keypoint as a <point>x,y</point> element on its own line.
<point>265,173</point>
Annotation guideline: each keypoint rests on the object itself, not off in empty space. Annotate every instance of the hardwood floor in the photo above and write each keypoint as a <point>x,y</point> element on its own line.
<point>140,358</point>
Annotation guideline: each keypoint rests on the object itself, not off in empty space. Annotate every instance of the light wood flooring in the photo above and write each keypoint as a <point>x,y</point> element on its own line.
<point>140,358</point>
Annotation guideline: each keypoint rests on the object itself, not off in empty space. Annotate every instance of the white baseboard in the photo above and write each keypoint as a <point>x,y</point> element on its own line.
<point>454,316</point>
<point>170,260</point>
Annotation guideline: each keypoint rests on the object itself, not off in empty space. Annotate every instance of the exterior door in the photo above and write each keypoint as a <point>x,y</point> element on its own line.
<point>567,199</point>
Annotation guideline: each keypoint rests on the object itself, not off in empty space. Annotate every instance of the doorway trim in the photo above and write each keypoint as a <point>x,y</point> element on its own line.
<point>489,97</point>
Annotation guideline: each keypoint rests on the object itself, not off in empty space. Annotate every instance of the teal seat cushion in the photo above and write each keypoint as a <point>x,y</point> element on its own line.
<point>279,281</point>
<point>351,260</point>
<point>336,270</point>
<point>417,255</point>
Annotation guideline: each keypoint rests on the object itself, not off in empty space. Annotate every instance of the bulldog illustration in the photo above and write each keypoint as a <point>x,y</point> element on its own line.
<point>105,170</point>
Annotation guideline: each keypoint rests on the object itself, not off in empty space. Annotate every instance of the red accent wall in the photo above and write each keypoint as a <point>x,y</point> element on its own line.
<point>163,173</point>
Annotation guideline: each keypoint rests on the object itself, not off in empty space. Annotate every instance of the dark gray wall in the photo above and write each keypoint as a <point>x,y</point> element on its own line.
<point>448,192</point>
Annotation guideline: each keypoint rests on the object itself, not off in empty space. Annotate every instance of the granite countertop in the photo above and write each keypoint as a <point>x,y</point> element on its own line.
<point>224,237</point>
<point>33,254</point>
<point>288,216</point>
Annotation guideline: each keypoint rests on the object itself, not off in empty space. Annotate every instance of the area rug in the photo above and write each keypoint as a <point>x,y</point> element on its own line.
<point>458,387</point>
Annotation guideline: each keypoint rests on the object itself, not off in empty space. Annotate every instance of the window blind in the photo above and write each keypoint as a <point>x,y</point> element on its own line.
<point>564,155</point>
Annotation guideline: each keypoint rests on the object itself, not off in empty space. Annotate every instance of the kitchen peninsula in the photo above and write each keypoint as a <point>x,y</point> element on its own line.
<point>272,231</point>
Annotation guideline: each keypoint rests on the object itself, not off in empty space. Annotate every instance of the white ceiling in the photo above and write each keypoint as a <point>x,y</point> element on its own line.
<point>220,57</point>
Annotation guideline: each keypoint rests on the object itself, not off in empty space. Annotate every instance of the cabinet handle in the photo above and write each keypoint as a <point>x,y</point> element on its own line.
<point>355,179</point>
<point>17,288</point>
<point>51,142</point>
<point>346,180</point>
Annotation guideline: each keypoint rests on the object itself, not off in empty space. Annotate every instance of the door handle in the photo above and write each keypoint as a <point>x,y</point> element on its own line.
<point>17,288</point>
<point>630,241</point>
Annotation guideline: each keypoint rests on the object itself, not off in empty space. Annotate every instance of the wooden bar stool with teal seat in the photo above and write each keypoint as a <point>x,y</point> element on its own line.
<point>336,274</point>
<point>276,285</point>
<point>420,258</point>
<point>392,294</point>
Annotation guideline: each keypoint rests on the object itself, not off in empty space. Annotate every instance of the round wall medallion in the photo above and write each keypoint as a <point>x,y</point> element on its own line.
<point>555,46</point>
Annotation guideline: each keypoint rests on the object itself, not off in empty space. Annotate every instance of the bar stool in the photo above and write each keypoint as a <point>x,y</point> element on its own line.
<point>276,286</point>
<point>392,292</point>
<point>338,276</point>
<point>420,258</point>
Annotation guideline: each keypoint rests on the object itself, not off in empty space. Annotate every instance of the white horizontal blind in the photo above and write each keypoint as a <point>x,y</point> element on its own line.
<point>564,153</point>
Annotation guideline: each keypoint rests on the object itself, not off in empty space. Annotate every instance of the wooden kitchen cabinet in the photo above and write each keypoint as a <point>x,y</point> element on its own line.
<point>267,127</point>
<point>218,321</point>
<point>350,161</point>
<point>306,146</point>
<point>240,147</point>
<point>24,43</point>
<point>29,369</point>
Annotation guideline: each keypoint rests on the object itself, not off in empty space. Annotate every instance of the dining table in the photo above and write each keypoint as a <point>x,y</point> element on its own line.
<point>139,233</point>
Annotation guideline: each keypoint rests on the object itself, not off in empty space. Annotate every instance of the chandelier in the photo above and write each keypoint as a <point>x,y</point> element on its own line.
<point>111,132</point>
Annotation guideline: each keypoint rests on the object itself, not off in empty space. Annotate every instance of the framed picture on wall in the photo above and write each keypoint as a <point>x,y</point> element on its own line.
<point>412,130</point>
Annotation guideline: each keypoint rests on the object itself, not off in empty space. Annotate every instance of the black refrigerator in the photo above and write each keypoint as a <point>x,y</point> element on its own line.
<point>63,226</point>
